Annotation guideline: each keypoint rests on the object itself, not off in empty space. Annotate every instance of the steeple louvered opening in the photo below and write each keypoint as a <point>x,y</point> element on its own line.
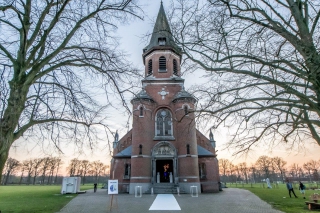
<point>162,64</point>
<point>175,67</point>
<point>150,67</point>
<point>162,41</point>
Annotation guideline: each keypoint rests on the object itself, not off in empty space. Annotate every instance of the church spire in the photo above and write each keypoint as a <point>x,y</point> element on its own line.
<point>161,35</point>
<point>212,141</point>
<point>116,140</point>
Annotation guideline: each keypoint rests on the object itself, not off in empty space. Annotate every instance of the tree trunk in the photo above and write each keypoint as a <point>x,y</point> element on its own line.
<point>34,177</point>
<point>43,178</point>
<point>50,177</point>
<point>20,181</point>
<point>309,176</point>
<point>56,178</point>
<point>29,178</point>
<point>4,150</point>
<point>10,119</point>
<point>246,177</point>
<point>84,179</point>
<point>7,178</point>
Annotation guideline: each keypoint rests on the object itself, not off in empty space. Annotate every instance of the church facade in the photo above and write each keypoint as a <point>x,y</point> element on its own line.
<point>164,151</point>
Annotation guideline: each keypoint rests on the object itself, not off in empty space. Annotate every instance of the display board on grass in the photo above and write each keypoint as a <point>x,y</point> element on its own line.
<point>112,187</point>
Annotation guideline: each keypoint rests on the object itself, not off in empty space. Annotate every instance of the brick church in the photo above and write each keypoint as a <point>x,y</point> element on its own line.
<point>164,150</point>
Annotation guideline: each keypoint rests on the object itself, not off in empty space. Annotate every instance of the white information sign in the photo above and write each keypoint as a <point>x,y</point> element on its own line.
<point>112,187</point>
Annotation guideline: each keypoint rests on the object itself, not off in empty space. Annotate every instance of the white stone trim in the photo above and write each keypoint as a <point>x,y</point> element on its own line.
<point>140,177</point>
<point>187,156</point>
<point>140,156</point>
<point>194,177</point>
<point>167,52</point>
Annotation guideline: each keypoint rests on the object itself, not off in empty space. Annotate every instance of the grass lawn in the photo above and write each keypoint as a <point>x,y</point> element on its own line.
<point>47,199</point>
<point>279,197</point>
<point>35,199</point>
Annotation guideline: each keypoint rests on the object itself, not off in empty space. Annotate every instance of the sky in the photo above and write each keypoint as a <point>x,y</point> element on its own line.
<point>133,40</point>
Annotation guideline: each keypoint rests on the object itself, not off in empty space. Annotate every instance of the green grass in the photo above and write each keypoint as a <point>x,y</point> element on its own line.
<point>47,199</point>
<point>34,199</point>
<point>279,197</point>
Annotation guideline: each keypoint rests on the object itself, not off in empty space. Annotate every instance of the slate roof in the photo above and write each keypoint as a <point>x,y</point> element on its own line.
<point>162,30</point>
<point>142,95</point>
<point>184,94</point>
<point>202,152</point>
<point>125,153</point>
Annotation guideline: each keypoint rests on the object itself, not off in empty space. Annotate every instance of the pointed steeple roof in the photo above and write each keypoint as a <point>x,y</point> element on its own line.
<point>162,31</point>
<point>211,135</point>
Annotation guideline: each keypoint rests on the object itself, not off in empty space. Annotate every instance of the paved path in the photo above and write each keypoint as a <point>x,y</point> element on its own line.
<point>228,201</point>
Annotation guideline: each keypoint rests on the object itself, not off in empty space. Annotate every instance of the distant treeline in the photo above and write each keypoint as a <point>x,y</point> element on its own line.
<point>45,171</point>
<point>275,169</point>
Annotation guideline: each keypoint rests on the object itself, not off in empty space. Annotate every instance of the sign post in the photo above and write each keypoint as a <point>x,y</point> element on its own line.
<point>113,190</point>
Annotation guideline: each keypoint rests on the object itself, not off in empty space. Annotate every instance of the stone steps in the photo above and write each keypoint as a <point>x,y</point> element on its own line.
<point>165,188</point>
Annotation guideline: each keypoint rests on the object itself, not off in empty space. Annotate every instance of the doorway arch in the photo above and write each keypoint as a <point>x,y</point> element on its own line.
<point>164,163</point>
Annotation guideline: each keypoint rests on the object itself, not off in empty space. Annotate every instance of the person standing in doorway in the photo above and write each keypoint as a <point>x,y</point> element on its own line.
<point>165,172</point>
<point>290,188</point>
<point>302,188</point>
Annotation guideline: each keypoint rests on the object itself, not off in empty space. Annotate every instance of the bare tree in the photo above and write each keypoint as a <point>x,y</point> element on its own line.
<point>232,169</point>
<point>237,170</point>
<point>86,166</point>
<point>223,167</point>
<point>253,173</point>
<point>57,58</point>
<point>97,168</point>
<point>44,168</point>
<point>28,166</point>
<point>279,164</point>
<point>294,170</point>
<point>53,164</point>
<point>264,164</point>
<point>244,170</point>
<point>22,173</point>
<point>58,164</point>
<point>310,167</point>
<point>264,66</point>
<point>10,167</point>
<point>73,167</point>
<point>36,163</point>
<point>51,168</point>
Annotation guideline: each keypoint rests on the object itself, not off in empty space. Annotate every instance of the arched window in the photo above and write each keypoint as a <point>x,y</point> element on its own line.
<point>162,64</point>
<point>175,67</point>
<point>164,123</point>
<point>127,171</point>
<point>202,171</point>
<point>186,111</point>
<point>140,149</point>
<point>141,111</point>
<point>150,67</point>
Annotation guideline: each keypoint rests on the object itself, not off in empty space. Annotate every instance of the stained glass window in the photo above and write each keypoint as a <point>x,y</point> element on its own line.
<point>163,123</point>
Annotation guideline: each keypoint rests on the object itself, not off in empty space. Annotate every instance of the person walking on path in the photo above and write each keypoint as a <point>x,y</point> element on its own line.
<point>95,187</point>
<point>302,188</point>
<point>290,188</point>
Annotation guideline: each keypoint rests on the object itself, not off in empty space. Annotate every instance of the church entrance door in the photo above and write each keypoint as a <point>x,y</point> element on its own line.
<point>164,163</point>
<point>164,171</point>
